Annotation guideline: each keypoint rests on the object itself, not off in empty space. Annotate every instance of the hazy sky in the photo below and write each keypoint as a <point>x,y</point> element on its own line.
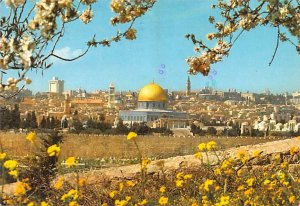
<point>161,43</point>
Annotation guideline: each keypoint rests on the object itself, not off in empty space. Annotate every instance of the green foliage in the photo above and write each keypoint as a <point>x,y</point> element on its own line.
<point>9,119</point>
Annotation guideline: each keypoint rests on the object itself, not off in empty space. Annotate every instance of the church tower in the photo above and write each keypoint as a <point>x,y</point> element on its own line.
<point>188,87</point>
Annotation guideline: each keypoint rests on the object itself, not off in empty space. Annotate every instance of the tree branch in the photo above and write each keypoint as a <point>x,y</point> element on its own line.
<point>277,44</point>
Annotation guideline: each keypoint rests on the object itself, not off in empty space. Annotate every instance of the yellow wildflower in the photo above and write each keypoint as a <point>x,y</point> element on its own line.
<point>244,160</point>
<point>241,187</point>
<point>120,202</point>
<point>250,182</point>
<point>207,184</point>
<point>162,189</point>
<point>179,183</point>
<point>248,192</point>
<point>225,164</point>
<point>2,155</point>
<point>205,200</point>
<point>131,135</point>
<point>228,172</point>
<point>72,194</point>
<point>217,188</point>
<point>121,186</point>
<point>10,164</point>
<point>145,162</point>
<point>73,203</point>
<point>104,204</point>
<point>130,183</point>
<point>292,199</point>
<point>285,183</point>
<point>211,145</point>
<point>31,204</point>
<point>127,198</point>
<point>59,183</point>
<point>256,153</point>
<point>284,164</point>
<point>143,202</point>
<point>198,155</point>
<point>31,137</point>
<point>53,150</point>
<point>224,200</point>
<point>194,204</point>
<point>280,175</point>
<point>294,150</point>
<point>202,147</point>
<point>187,176</point>
<point>266,182</point>
<point>44,204</point>
<point>241,154</point>
<point>113,193</point>
<point>217,171</point>
<point>239,172</point>
<point>13,173</point>
<point>179,175</point>
<point>21,188</point>
<point>70,161</point>
<point>163,200</point>
<point>82,182</point>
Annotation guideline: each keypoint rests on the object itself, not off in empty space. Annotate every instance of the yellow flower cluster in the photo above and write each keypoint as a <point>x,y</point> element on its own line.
<point>123,202</point>
<point>163,200</point>
<point>53,150</point>
<point>70,161</point>
<point>145,163</point>
<point>182,178</point>
<point>71,196</point>
<point>2,155</point>
<point>59,183</point>
<point>242,155</point>
<point>131,135</point>
<point>31,137</point>
<point>11,165</point>
<point>210,146</point>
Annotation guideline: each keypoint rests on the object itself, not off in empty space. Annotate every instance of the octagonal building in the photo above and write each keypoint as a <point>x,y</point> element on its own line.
<point>152,106</point>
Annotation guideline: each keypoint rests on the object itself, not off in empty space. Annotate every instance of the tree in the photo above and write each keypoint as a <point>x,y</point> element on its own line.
<point>15,117</point>
<point>43,123</point>
<point>78,127</point>
<point>240,16</point>
<point>212,130</point>
<point>33,122</point>
<point>30,31</point>
<point>91,124</point>
<point>121,128</point>
<point>4,118</point>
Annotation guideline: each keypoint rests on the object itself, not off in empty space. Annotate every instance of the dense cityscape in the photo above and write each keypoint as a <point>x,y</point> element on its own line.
<point>153,110</point>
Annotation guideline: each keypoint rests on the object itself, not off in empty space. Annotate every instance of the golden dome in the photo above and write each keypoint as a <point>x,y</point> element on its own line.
<point>152,92</point>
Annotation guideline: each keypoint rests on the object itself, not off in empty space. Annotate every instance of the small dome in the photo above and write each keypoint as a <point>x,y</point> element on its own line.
<point>153,92</point>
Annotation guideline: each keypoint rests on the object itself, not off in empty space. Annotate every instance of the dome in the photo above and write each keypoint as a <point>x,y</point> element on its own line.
<point>152,93</point>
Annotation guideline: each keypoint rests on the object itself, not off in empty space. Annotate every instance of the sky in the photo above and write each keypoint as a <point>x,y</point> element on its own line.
<point>159,52</point>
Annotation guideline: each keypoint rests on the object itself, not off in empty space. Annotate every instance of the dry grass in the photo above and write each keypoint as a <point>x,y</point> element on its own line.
<point>89,147</point>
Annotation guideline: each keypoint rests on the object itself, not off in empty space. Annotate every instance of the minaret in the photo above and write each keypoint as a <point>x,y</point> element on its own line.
<point>111,95</point>
<point>188,87</point>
